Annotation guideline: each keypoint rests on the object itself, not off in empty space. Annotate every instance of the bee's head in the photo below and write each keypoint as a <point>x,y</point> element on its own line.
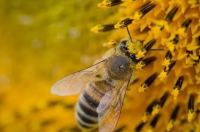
<point>131,48</point>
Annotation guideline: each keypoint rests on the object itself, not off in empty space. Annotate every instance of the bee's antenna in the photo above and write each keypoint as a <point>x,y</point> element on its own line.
<point>129,33</point>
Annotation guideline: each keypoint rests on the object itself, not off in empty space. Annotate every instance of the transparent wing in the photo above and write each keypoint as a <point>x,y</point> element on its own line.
<point>110,107</point>
<point>73,83</point>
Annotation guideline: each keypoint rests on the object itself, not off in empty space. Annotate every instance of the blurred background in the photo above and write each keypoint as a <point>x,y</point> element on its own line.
<point>42,41</point>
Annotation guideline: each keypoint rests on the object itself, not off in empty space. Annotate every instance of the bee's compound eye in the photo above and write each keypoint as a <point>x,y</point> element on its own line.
<point>119,67</point>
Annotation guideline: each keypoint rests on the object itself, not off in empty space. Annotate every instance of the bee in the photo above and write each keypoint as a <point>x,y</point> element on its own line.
<point>102,87</point>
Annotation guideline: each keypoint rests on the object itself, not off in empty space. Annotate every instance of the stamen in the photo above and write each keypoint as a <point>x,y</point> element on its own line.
<point>145,50</point>
<point>123,23</point>
<point>167,60</point>
<point>198,40</point>
<point>148,46</point>
<point>110,3</point>
<point>166,71</point>
<point>177,87</point>
<point>171,14</point>
<point>191,108</point>
<point>139,127</point>
<point>147,83</point>
<point>186,23</point>
<point>110,44</point>
<point>173,118</point>
<point>102,28</point>
<point>157,107</point>
<point>149,111</point>
<point>120,129</point>
<point>145,62</point>
<point>147,7</point>
<point>153,123</point>
<point>175,39</point>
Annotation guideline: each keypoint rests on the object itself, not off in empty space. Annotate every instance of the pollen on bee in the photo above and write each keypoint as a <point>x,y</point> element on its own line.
<point>177,87</point>
<point>190,115</point>
<point>124,23</point>
<point>110,3</point>
<point>102,28</point>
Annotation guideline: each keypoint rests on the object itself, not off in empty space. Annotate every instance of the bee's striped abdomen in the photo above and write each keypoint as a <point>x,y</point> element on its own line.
<point>89,99</point>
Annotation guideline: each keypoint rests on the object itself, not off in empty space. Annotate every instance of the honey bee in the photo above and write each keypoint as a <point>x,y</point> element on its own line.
<point>102,87</point>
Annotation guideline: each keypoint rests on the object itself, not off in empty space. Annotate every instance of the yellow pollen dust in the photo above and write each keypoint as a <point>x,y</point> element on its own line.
<point>140,65</point>
<point>104,4</point>
<point>110,44</point>
<point>166,63</point>
<point>145,117</point>
<point>143,88</point>
<point>137,16</point>
<point>156,110</point>
<point>190,115</point>
<point>97,28</point>
<point>150,129</point>
<point>162,75</point>
<point>170,125</point>
<point>140,54</point>
<point>175,92</point>
<point>181,31</point>
<point>134,46</point>
<point>118,25</point>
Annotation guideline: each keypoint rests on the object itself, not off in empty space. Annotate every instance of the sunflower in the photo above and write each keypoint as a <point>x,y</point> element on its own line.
<point>166,96</point>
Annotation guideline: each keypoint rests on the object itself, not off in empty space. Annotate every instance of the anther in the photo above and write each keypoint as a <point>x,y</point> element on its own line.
<point>154,122</point>
<point>172,119</point>
<point>171,14</point>
<point>145,62</point>
<point>110,3</point>
<point>167,60</point>
<point>148,46</point>
<point>166,71</point>
<point>145,49</point>
<point>124,23</point>
<point>149,111</point>
<point>175,40</point>
<point>177,87</point>
<point>120,129</point>
<point>198,40</point>
<point>102,28</point>
<point>159,105</point>
<point>147,83</point>
<point>139,127</point>
<point>110,44</point>
<point>186,23</point>
<point>146,8</point>
<point>191,108</point>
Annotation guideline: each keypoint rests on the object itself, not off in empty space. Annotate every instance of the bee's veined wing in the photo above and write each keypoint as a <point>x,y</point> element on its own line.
<point>110,107</point>
<point>73,83</point>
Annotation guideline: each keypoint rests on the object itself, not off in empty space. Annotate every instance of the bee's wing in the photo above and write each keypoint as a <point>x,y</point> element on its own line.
<point>110,107</point>
<point>73,83</point>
